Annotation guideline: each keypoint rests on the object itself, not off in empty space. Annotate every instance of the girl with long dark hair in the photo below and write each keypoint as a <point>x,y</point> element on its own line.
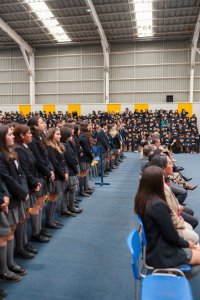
<point>165,247</point>
<point>23,138</point>
<point>86,143</point>
<point>68,197</point>
<point>45,174</point>
<point>56,155</point>
<point>16,185</point>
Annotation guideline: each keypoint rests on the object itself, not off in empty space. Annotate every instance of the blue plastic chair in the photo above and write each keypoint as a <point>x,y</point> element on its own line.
<point>183,268</point>
<point>158,285</point>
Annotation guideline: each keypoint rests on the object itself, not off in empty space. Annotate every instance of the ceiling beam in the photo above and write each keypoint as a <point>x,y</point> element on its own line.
<point>102,22</point>
<point>105,46</point>
<point>98,24</point>
<point>13,34</point>
<point>62,10</point>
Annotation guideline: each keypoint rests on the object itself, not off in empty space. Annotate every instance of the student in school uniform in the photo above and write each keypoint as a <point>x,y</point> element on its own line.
<point>16,185</point>
<point>103,142</point>
<point>68,207</point>
<point>23,138</point>
<point>45,174</point>
<point>86,143</point>
<point>5,230</point>
<point>56,156</point>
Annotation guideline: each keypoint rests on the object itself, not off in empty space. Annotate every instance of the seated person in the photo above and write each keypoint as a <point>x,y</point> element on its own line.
<point>165,248</point>
<point>145,159</point>
<point>182,217</point>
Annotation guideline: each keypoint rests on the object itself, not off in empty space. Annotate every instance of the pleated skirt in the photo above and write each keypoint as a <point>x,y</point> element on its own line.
<point>84,166</point>
<point>57,186</point>
<point>17,213</point>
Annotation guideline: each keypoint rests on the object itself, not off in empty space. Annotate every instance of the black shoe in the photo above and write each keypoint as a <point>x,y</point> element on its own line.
<point>3,293</point>
<point>10,278</point>
<point>76,210</point>
<point>28,247</point>
<point>187,178</point>
<point>177,169</point>
<point>46,233</point>
<point>78,199</point>
<point>68,213</point>
<point>22,253</point>
<point>18,270</point>
<point>83,194</point>
<point>88,192</point>
<point>40,238</point>
<point>76,205</point>
<point>57,223</point>
<point>91,188</point>
<point>52,225</point>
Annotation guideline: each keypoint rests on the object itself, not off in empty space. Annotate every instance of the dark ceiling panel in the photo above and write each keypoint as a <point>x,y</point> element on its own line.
<point>170,17</point>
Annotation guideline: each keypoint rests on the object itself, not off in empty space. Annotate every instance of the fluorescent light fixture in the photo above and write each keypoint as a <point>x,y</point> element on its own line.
<point>40,8</point>
<point>143,16</point>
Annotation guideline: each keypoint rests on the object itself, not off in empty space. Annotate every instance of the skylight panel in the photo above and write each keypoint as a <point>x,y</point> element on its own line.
<point>143,16</point>
<point>40,8</point>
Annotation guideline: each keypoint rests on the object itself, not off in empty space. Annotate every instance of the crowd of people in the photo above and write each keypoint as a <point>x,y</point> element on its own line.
<point>46,158</point>
<point>178,131</point>
<point>40,166</point>
<point>160,202</point>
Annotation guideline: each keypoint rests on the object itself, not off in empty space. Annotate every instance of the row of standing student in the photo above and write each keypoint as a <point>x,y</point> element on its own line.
<point>31,169</point>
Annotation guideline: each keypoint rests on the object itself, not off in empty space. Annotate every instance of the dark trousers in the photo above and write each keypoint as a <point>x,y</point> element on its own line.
<point>187,215</point>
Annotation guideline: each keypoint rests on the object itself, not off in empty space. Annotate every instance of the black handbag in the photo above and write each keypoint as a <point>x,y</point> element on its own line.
<point>4,225</point>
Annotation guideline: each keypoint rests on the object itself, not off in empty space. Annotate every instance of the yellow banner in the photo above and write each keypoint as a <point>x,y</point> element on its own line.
<point>24,109</point>
<point>186,106</point>
<point>49,108</point>
<point>140,107</point>
<point>73,108</point>
<point>116,108</point>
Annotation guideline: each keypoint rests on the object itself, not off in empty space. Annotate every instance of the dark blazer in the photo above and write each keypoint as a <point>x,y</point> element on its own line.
<point>144,163</point>
<point>111,145</point>
<point>117,141</point>
<point>164,245</point>
<point>3,191</point>
<point>14,179</point>
<point>103,141</point>
<point>76,146</point>
<point>29,165</point>
<point>44,165</point>
<point>87,151</point>
<point>58,162</point>
<point>71,159</point>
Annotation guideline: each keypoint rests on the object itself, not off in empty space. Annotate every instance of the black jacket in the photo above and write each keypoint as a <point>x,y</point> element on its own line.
<point>103,141</point>
<point>14,179</point>
<point>71,159</point>
<point>58,162</point>
<point>87,150</point>
<point>111,145</point>
<point>44,165</point>
<point>3,191</point>
<point>164,245</point>
<point>29,165</point>
<point>117,141</point>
